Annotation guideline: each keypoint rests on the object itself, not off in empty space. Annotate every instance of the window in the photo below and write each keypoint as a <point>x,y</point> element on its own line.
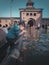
<point>27,14</point>
<point>6,25</point>
<point>34,14</point>
<point>30,14</point>
<point>3,26</point>
<point>0,25</point>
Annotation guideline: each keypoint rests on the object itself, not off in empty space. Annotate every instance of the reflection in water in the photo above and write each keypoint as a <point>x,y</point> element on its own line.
<point>36,34</point>
<point>33,33</point>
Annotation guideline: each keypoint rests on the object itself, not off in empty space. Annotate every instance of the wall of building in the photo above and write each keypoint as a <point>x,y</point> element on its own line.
<point>34,14</point>
<point>45,21</point>
<point>7,21</point>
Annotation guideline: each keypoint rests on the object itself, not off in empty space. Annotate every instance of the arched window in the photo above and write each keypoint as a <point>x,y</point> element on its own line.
<point>27,14</point>
<point>0,25</point>
<point>34,14</point>
<point>6,25</point>
<point>30,23</point>
<point>30,14</point>
<point>3,26</point>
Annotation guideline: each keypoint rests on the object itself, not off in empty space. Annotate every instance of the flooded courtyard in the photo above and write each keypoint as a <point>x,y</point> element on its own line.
<point>32,52</point>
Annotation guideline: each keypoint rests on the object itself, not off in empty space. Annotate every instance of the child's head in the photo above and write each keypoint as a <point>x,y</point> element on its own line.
<point>14,22</point>
<point>21,26</point>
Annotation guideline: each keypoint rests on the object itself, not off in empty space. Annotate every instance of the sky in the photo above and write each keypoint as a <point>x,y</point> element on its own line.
<point>16,4</point>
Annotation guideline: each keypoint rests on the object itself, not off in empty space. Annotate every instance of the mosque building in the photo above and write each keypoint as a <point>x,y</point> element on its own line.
<point>28,14</point>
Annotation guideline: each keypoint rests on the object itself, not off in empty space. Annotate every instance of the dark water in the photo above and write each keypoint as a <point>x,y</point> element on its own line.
<point>40,54</point>
<point>3,51</point>
<point>42,59</point>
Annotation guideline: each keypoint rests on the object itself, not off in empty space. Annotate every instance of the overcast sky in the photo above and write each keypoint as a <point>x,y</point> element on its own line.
<point>16,4</point>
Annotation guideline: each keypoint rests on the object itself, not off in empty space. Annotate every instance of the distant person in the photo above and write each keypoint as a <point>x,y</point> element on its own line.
<point>2,36</point>
<point>23,31</point>
<point>13,34</point>
<point>4,28</point>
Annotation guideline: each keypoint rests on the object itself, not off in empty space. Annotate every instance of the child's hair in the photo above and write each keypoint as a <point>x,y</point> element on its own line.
<point>21,23</point>
<point>15,21</point>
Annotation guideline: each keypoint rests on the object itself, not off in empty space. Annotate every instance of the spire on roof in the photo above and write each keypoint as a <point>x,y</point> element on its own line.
<point>30,3</point>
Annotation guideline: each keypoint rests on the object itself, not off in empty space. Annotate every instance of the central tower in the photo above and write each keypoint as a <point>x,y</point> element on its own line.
<point>32,13</point>
<point>29,4</point>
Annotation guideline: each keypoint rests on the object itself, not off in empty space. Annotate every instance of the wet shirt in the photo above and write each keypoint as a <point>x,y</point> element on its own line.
<point>13,32</point>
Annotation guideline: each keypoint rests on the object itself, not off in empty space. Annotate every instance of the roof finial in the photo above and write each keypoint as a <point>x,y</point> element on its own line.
<point>30,3</point>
